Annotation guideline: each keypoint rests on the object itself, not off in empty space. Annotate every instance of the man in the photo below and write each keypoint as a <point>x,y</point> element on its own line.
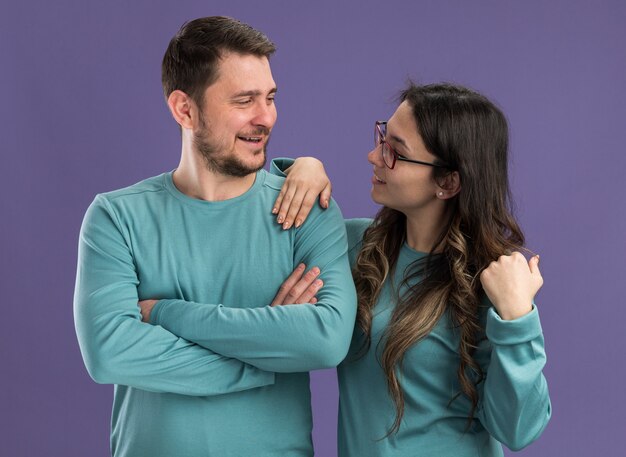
<point>214,371</point>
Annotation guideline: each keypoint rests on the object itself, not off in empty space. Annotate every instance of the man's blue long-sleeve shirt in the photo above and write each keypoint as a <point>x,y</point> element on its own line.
<point>220,372</point>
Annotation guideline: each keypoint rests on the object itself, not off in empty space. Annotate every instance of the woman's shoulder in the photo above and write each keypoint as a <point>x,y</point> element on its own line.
<point>356,228</point>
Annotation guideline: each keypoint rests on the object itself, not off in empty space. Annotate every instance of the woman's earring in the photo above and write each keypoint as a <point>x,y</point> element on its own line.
<point>440,194</point>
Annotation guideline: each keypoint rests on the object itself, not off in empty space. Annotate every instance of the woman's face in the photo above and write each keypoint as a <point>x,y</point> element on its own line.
<point>409,187</point>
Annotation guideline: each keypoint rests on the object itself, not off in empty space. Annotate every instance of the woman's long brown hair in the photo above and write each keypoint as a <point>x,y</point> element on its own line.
<point>469,134</point>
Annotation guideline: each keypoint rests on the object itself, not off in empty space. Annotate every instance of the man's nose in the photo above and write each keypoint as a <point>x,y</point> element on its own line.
<point>265,115</point>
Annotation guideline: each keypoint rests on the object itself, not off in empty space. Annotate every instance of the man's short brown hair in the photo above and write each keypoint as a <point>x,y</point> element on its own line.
<point>190,63</point>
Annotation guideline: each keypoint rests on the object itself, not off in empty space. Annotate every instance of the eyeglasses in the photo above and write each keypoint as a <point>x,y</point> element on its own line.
<point>389,154</point>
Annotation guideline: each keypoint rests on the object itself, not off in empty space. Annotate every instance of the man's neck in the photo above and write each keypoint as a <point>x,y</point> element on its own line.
<point>195,180</point>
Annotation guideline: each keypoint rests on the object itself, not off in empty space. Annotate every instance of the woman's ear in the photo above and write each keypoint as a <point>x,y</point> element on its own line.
<point>181,107</point>
<point>449,185</point>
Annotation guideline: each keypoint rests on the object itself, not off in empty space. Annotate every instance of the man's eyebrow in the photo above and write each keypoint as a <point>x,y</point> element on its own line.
<point>253,93</point>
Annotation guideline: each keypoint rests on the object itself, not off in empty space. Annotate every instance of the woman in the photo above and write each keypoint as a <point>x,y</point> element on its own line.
<point>447,353</point>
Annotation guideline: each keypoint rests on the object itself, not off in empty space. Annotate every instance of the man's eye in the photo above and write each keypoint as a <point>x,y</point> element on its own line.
<point>246,101</point>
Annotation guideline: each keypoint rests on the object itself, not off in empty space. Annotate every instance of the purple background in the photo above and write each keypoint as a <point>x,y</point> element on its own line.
<point>82,112</point>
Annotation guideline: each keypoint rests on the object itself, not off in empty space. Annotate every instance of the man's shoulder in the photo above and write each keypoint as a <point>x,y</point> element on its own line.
<point>272,183</point>
<point>131,198</point>
<point>153,184</point>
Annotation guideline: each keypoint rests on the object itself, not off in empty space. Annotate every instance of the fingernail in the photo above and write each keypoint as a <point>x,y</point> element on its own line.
<point>286,225</point>
<point>298,223</point>
<point>275,210</point>
<point>318,283</point>
<point>315,270</point>
<point>280,219</point>
<point>326,203</point>
<point>301,266</point>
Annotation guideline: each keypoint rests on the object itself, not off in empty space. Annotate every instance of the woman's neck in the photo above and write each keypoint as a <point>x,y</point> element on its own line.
<point>423,228</point>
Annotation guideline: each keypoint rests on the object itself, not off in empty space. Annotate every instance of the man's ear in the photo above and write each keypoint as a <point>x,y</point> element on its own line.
<point>449,185</point>
<point>182,106</point>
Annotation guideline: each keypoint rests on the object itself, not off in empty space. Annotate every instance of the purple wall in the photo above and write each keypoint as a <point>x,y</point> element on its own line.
<point>82,112</point>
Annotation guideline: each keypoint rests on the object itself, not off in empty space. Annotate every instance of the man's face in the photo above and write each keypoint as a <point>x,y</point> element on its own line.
<point>237,116</point>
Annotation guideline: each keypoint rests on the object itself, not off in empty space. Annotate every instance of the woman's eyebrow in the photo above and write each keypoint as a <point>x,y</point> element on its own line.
<point>400,141</point>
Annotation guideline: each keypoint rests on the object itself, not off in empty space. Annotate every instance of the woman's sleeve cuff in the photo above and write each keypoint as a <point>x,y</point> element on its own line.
<point>516,331</point>
<point>279,165</point>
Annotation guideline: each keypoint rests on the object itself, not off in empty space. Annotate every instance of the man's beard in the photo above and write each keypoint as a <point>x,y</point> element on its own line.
<point>229,166</point>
